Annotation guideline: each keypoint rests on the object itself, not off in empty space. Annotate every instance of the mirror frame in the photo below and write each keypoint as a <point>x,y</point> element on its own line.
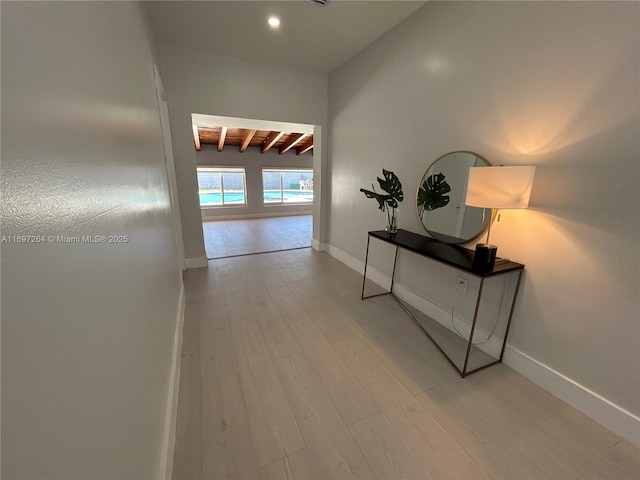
<point>441,237</point>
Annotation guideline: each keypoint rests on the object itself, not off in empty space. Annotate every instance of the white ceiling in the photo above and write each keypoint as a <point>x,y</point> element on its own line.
<point>311,37</point>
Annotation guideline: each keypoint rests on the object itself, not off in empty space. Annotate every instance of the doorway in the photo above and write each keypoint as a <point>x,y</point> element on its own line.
<point>256,184</point>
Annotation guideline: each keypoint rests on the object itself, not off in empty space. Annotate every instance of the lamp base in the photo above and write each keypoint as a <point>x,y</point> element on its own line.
<point>484,258</point>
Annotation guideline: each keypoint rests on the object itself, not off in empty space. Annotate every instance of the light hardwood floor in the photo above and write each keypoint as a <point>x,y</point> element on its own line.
<point>227,238</point>
<point>287,374</point>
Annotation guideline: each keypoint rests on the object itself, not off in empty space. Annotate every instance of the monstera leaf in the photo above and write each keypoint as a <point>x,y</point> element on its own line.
<point>431,194</point>
<point>391,184</point>
<point>373,194</point>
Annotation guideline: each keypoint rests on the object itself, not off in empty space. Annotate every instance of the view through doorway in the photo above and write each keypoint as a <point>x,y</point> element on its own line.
<point>229,238</point>
<point>258,184</point>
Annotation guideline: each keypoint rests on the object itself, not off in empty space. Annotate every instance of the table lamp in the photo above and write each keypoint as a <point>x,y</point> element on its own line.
<point>495,188</point>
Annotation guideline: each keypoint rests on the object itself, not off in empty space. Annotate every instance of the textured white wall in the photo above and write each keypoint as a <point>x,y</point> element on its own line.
<point>87,329</point>
<point>552,84</point>
<point>210,84</point>
<point>253,162</point>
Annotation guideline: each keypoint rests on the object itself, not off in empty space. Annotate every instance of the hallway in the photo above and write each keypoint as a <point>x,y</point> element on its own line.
<point>286,373</point>
<point>229,238</point>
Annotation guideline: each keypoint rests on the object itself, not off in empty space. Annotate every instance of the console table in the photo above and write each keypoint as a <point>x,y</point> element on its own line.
<point>460,259</point>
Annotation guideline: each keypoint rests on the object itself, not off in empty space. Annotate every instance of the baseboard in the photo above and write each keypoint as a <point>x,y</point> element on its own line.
<point>345,258</point>
<point>169,434</point>
<point>605,412</point>
<point>197,262</point>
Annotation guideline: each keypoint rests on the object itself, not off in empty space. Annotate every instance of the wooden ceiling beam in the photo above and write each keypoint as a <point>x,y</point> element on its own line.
<point>223,134</point>
<point>305,147</point>
<point>247,139</point>
<point>196,137</point>
<point>271,140</point>
<point>293,141</point>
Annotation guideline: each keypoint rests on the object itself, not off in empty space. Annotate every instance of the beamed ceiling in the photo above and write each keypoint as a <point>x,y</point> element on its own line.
<point>244,139</point>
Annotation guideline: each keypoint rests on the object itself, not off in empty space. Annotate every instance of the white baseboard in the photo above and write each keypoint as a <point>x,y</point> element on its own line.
<point>169,434</point>
<point>605,412</point>
<point>345,258</point>
<point>197,262</point>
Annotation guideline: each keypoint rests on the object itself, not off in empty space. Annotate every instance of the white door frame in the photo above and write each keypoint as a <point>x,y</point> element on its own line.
<point>163,109</point>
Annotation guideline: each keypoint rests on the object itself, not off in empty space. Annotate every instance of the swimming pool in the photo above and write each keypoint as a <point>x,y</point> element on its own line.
<point>238,198</point>
<point>230,198</point>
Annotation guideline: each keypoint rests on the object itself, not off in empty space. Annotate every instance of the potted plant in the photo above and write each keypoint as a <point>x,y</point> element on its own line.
<point>388,203</point>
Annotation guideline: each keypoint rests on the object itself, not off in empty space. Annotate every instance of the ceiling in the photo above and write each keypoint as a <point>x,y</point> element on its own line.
<point>251,134</point>
<point>245,139</point>
<point>311,37</point>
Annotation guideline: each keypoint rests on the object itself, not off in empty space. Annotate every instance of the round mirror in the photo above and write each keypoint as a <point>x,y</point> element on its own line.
<point>441,195</point>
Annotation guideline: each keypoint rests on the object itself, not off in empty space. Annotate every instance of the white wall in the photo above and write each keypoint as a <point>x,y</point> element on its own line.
<point>253,162</point>
<point>210,84</point>
<point>88,330</point>
<point>521,83</point>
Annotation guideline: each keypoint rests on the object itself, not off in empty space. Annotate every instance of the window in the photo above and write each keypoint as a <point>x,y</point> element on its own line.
<point>287,186</point>
<point>219,187</point>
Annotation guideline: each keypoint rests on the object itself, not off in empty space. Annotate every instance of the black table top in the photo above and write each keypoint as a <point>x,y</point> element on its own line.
<point>453,255</point>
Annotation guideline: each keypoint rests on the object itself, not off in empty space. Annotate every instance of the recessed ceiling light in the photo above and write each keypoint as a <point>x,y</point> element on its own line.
<point>274,22</point>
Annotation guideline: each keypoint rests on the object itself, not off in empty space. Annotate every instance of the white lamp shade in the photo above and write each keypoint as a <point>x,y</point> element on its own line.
<point>499,187</point>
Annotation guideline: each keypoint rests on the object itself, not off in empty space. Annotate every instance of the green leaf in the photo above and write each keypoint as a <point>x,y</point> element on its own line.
<point>431,194</point>
<point>391,184</point>
<point>373,194</point>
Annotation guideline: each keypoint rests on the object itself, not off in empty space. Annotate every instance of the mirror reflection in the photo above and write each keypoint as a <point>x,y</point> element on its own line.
<point>441,196</point>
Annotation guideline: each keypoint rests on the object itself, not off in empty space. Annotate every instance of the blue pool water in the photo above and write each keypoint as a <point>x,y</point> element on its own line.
<point>231,198</point>
<point>216,198</point>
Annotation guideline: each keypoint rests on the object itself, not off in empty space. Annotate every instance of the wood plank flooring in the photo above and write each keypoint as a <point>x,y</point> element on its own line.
<point>227,238</point>
<point>287,374</point>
